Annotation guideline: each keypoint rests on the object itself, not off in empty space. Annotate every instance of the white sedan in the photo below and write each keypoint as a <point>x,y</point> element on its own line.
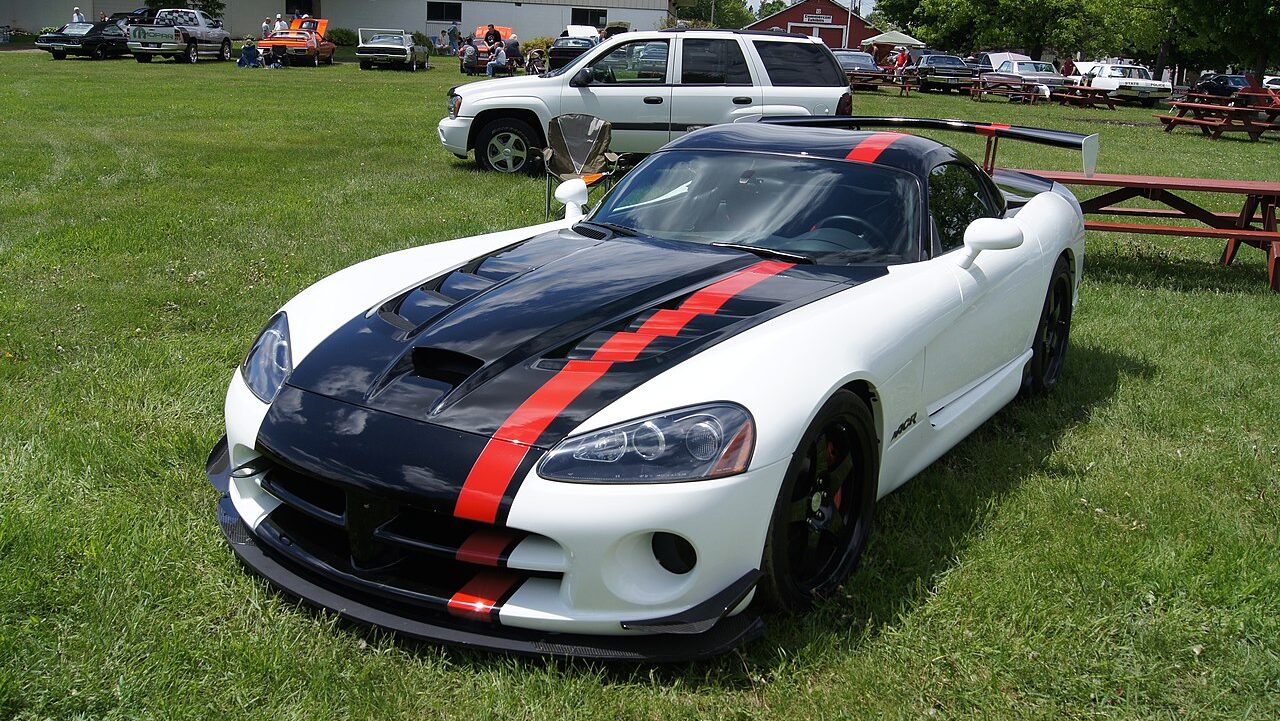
<point>624,434</point>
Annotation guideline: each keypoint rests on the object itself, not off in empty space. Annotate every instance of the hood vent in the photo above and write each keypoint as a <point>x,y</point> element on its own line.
<point>443,365</point>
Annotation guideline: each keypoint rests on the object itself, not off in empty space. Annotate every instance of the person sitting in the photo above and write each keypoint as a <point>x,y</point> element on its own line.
<point>468,56</point>
<point>512,46</point>
<point>497,60</point>
<point>249,57</point>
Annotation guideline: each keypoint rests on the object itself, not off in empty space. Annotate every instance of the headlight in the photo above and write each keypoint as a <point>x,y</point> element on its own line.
<point>455,105</point>
<point>269,362</point>
<point>690,444</point>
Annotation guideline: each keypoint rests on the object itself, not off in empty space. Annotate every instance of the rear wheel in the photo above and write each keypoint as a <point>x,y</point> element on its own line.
<point>365,65</point>
<point>413,64</point>
<point>1053,334</point>
<point>143,57</point>
<point>823,513</point>
<point>58,55</point>
<point>329,60</point>
<point>224,53</point>
<point>99,53</point>
<point>506,145</point>
<point>192,55</point>
<point>1148,102</point>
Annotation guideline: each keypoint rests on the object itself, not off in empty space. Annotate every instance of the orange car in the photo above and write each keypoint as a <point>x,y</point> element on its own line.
<point>302,44</point>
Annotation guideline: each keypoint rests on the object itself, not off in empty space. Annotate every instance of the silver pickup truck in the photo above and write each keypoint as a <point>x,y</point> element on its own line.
<point>181,34</point>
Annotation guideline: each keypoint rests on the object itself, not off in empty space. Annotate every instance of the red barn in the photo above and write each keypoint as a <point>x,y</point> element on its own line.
<point>829,20</point>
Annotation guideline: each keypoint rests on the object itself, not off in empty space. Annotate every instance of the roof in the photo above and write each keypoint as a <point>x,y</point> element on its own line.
<point>893,37</point>
<point>791,6</point>
<point>911,153</point>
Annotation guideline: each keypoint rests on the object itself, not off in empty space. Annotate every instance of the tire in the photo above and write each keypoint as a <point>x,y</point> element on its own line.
<point>192,55</point>
<point>224,53</point>
<point>99,53</point>
<point>143,57</point>
<point>1148,102</point>
<point>329,60</point>
<point>315,60</point>
<point>924,87</point>
<point>820,521</point>
<point>507,145</point>
<point>58,56</point>
<point>413,65</point>
<point>1053,333</point>
<point>365,65</point>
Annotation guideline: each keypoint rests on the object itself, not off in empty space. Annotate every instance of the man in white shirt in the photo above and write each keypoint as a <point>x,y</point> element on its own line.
<point>281,23</point>
<point>76,15</point>
<point>497,59</point>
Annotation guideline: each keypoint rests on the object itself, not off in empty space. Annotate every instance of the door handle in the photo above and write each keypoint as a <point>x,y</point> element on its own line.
<point>742,100</point>
<point>653,100</point>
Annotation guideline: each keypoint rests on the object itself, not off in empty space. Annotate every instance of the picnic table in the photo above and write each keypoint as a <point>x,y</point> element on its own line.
<point>871,80</point>
<point>1214,120</point>
<point>1260,98</point>
<point>1083,96</point>
<point>1261,199</point>
<point>1019,90</point>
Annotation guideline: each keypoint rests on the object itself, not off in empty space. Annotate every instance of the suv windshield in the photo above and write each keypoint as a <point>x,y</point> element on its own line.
<point>828,210</point>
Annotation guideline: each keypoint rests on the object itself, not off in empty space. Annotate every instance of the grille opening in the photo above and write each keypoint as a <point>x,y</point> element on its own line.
<point>443,365</point>
<point>674,553</point>
<point>300,490</point>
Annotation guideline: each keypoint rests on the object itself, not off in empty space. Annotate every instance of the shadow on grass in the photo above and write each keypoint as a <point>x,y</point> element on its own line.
<point>918,531</point>
<point>1144,266</point>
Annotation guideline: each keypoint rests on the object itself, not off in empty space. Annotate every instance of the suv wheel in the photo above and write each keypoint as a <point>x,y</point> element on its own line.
<point>506,145</point>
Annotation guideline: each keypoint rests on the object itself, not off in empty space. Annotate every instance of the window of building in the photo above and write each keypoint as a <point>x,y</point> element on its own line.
<point>713,62</point>
<point>444,12</point>
<point>956,199</point>
<point>589,16</point>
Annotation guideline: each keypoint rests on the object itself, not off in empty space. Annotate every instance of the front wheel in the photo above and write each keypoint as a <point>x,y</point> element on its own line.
<point>506,145</point>
<point>99,53</point>
<point>1148,102</point>
<point>192,56</point>
<point>365,65</point>
<point>1053,333</point>
<point>224,54</point>
<point>329,60</point>
<point>823,513</point>
<point>143,57</point>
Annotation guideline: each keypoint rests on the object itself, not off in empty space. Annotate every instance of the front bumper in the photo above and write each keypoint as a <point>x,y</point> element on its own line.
<point>454,133</point>
<point>157,48</point>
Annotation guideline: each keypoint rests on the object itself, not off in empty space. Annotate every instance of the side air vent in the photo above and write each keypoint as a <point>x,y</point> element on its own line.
<point>445,366</point>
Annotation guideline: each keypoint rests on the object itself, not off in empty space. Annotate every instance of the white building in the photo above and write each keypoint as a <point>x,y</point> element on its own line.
<point>528,18</point>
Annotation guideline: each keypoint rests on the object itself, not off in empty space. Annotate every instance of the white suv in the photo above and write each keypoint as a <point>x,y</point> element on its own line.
<point>652,86</point>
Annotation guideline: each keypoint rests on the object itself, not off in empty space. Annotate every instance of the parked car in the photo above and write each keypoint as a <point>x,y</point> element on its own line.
<point>182,34</point>
<point>860,68</point>
<point>1131,83</point>
<point>943,72</point>
<point>1224,86</point>
<point>1271,83</point>
<point>989,61</point>
<point>389,47</point>
<point>141,16</point>
<point>630,81</point>
<point>303,43</point>
<point>98,41</point>
<point>624,435</point>
<point>481,58</point>
<point>1012,73</point>
<point>564,50</point>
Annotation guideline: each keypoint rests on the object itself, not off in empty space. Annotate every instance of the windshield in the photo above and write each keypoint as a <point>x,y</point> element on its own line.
<point>855,60</point>
<point>1129,71</point>
<point>1035,67</point>
<point>387,40</point>
<point>76,29</point>
<point>950,61</point>
<point>829,210</point>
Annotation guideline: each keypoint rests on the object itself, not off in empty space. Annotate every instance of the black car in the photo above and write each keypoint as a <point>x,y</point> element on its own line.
<point>99,41</point>
<point>564,50</point>
<point>860,68</point>
<point>943,72</point>
<point>1221,85</point>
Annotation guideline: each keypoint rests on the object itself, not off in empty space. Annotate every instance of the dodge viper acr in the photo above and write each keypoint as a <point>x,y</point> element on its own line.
<point>621,434</point>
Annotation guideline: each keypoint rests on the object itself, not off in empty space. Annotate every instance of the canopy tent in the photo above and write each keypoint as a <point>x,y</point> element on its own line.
<point>892,38</point>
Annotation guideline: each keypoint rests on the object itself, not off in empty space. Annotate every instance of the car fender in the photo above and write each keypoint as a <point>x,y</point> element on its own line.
<point>319,310</point>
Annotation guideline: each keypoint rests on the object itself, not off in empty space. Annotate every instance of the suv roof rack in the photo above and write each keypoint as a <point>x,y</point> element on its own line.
<point>769,33</point>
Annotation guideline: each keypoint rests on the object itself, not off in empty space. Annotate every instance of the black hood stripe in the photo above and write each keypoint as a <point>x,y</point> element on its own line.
<point>490,480</point>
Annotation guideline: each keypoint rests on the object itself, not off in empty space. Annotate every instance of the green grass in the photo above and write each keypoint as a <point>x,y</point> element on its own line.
<point>1111,550</point>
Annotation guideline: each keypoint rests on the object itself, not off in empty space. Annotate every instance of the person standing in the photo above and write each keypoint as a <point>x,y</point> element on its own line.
<point>281,23</point>
<point>78,17</point>
<point>492,36</point>
<point>455,36</point>
<point>266,27</point>
<point>497,59</point>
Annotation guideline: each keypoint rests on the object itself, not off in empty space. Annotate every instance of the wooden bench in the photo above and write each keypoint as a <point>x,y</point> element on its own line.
<point>1083,96</point>
<point>1214,120</point>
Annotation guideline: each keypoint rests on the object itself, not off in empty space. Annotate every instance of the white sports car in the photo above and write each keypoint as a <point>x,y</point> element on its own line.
<point>620,435</point>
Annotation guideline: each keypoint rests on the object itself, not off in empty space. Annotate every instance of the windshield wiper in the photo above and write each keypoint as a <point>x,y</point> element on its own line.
<point>767,252</point>
<point>612,228</point>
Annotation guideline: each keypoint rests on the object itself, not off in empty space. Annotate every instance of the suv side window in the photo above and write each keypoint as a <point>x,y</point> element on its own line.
<point>797,64</point>
<point>639,62</point>
<point>713,62</point>
<point>956,199</point>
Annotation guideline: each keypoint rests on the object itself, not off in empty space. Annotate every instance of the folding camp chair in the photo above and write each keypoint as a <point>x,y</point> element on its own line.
<point>578,147</point>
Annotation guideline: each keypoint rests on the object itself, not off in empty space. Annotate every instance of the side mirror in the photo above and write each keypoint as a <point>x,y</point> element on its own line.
<point>573,195</point>
<point>989,234</point>
<point>580,79</point>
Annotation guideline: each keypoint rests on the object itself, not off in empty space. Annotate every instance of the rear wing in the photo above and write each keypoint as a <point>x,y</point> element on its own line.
<point>1086,144</point>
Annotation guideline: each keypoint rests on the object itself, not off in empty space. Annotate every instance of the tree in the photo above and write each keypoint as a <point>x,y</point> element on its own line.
<point>720,13</point>
<point>900,13</point>
<point>1245,29</point>
<point>769,7</point>
<point>881,22</point>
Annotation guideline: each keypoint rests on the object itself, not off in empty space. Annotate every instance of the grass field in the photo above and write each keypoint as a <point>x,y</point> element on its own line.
<point>1112,550</point>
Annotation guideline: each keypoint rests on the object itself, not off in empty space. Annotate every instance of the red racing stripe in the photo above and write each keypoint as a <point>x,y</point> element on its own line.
<point>991,128</point>
<point>482,492</point>
<point>483,595</point>
<point>869,149</point>
<point>487,547</point>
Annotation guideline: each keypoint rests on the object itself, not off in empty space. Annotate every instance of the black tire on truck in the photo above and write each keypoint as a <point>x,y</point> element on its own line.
<point>143,57</point>
<point>192,55</point>
<point>224,53</point>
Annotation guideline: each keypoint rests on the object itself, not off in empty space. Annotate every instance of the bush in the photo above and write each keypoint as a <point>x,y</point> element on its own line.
<point>536,44</point>
<point>420,38</point>
<point>343,36</point>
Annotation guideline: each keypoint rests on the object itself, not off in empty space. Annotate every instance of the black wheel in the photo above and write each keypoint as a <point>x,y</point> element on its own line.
<point>823,512</point>
<point>315,60</point>
<point>365,65</point>
<point>99,53</point>
<point>143,57</point>
<point>413,64</point>
<point>506,145</point>
<point>224,53</point>
<point>1053,334</point>
<point>329,60</point>
<point>192,55</point>
<point>1148,102</point>
<point>924,87</point>
<point>58,55</point>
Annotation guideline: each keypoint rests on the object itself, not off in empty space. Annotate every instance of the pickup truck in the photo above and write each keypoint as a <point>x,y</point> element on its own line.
<point>181,34</point>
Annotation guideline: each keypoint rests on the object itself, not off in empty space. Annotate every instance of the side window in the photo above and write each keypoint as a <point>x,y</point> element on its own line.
<point>956,199</point>
<point>641,62</point>
<point>713,62</point>
<point>1004,67</point>
<point>113,30</point>
<point>800,64</point>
